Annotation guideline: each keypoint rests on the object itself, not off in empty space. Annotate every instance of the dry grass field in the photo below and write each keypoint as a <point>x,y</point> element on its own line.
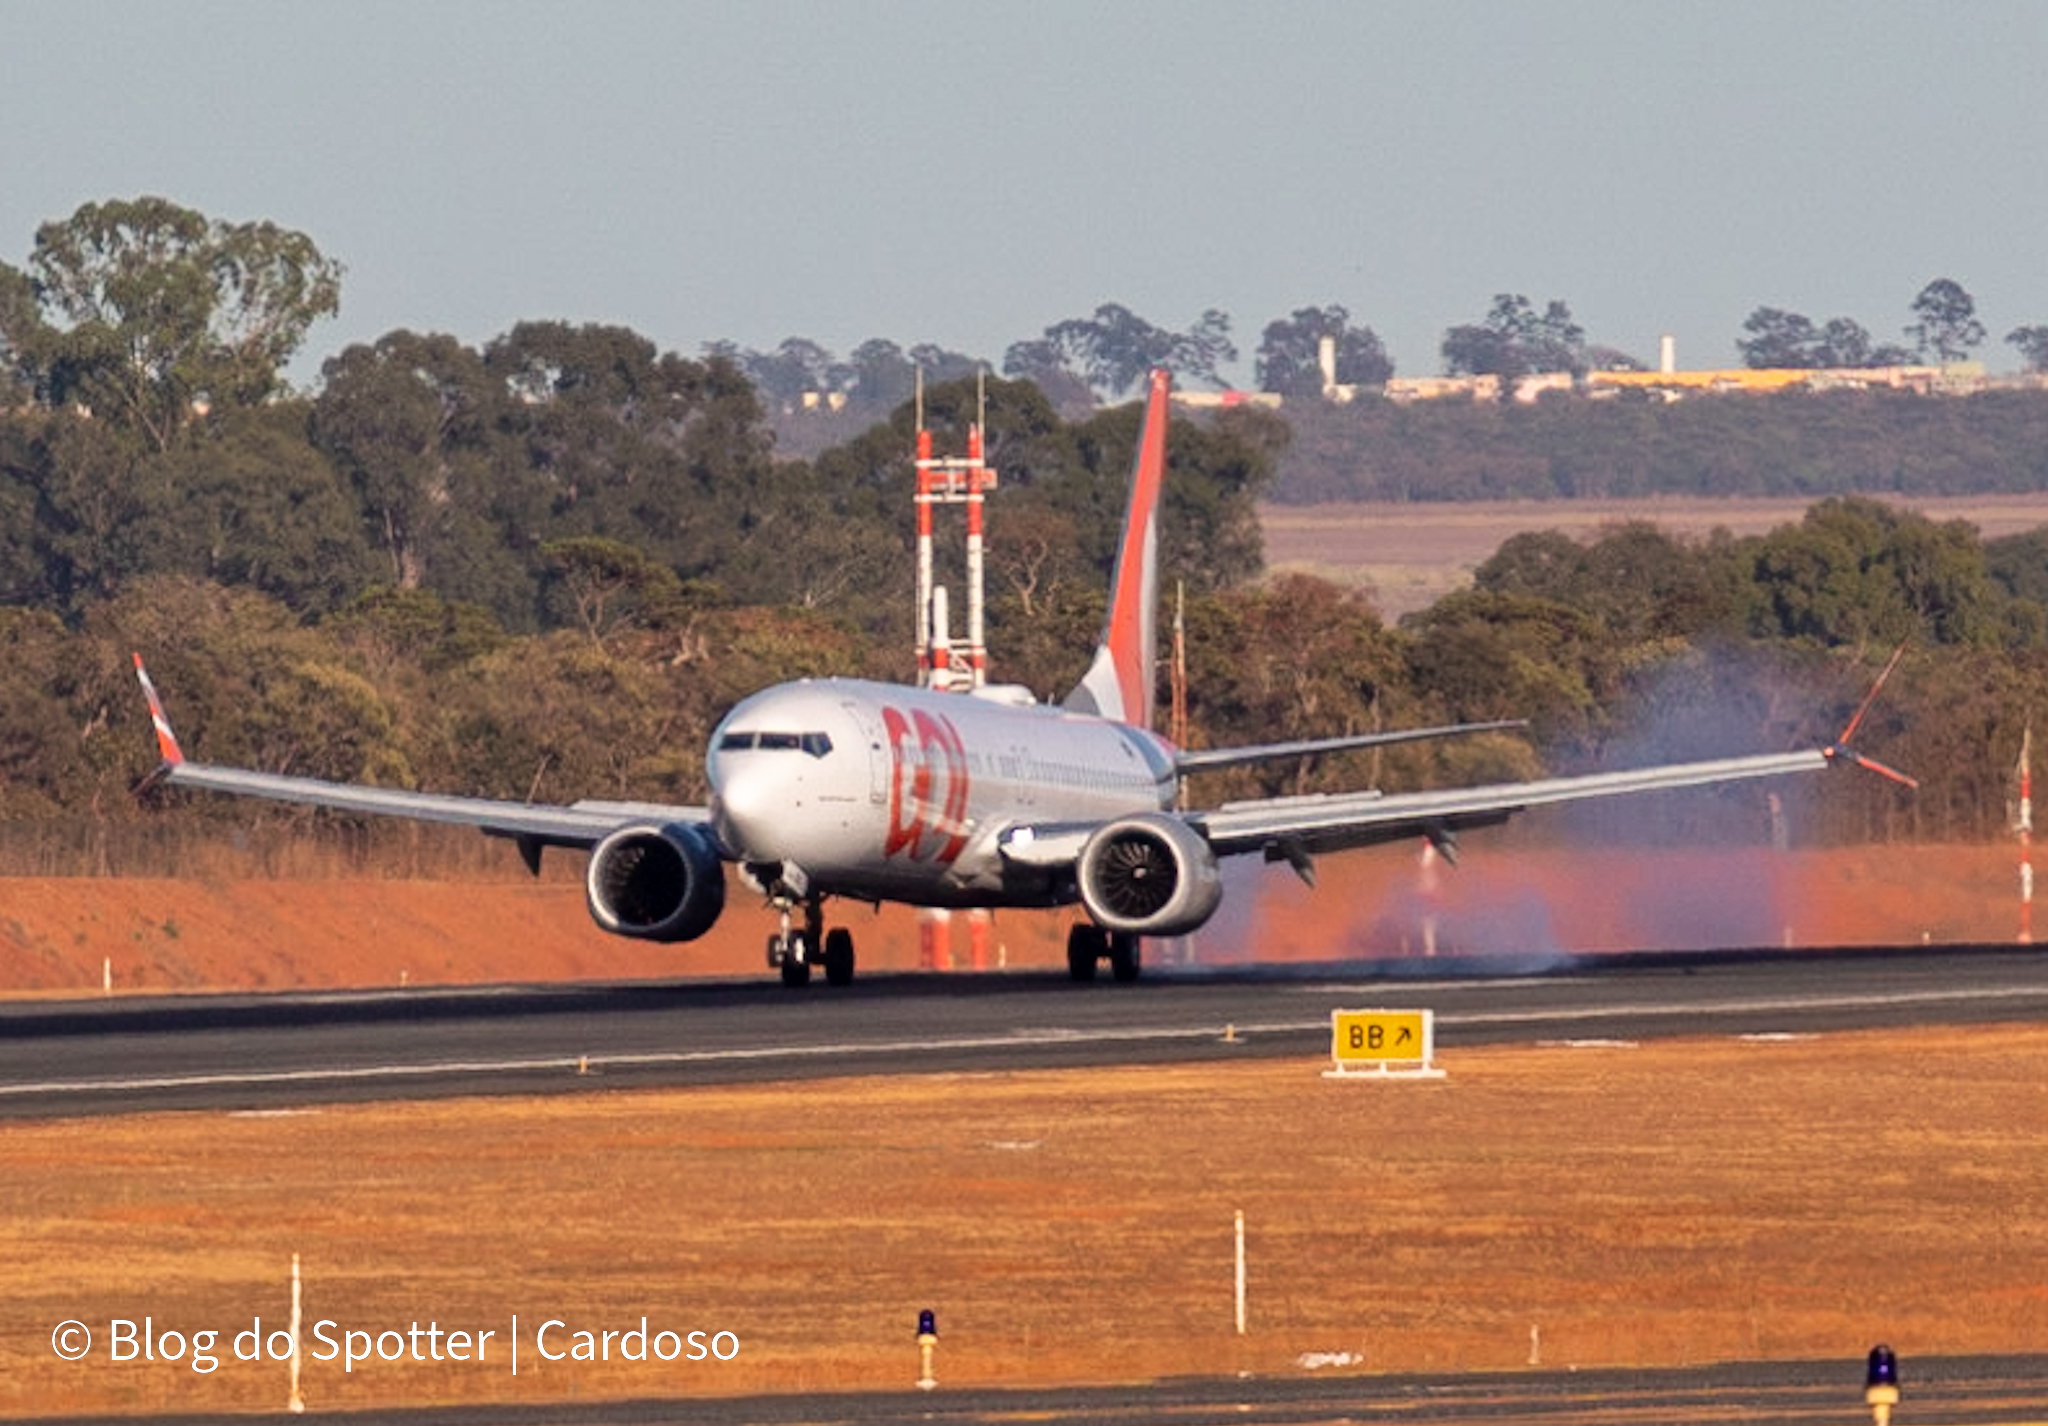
<point>1673,1202</point>
<point>1413,554</point>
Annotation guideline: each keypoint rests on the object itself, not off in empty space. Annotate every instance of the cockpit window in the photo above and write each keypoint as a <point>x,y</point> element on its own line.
<point>816,744</point>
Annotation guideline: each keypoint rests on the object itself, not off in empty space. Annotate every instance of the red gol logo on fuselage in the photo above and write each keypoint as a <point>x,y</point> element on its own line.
<point>927,786</point>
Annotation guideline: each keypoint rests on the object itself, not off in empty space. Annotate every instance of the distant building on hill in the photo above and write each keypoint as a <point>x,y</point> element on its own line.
<point>1960,378</point>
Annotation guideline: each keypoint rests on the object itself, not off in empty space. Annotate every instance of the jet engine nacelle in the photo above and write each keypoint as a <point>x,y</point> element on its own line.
<point>1149,874</point>
<point>657,883</point>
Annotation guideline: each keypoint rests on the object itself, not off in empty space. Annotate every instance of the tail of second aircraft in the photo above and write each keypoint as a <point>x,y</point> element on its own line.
<point>1119,681</point>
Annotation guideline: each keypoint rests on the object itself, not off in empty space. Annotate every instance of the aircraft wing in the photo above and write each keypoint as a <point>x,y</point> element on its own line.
<point>580,824</point>
<point>1290,828</point>
<point>533,825</point>
<point>1293,829</point>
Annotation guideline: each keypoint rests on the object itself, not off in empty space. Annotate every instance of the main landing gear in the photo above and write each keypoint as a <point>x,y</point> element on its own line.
<point>795,950</point>
<point>1088,945</point>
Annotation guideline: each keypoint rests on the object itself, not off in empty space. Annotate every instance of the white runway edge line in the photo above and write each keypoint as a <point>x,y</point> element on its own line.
<point>1047,1037</point>
<point>1872,1001</point>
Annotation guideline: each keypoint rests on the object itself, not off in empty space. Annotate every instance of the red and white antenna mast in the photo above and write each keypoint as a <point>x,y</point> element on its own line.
<point>950,481</point>
<point>940,663</point>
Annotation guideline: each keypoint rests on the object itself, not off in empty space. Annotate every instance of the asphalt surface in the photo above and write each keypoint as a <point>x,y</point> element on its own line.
<point>248,1051</point>
<point>1935,1392</point>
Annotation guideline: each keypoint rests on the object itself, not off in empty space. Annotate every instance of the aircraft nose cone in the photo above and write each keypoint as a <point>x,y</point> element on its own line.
<point>746,810</point>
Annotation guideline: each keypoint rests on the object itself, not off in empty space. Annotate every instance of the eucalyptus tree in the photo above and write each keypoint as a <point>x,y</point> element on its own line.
<point>1290,352</point>
<point>1516,340</point>
<point>1112,350</point>
<point>2033,345</point>
<point>150,314</point>
<point>417,427</point>
<point>1948,325</point>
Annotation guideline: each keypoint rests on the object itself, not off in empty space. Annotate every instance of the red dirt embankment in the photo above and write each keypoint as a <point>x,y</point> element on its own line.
<point>61,934</point>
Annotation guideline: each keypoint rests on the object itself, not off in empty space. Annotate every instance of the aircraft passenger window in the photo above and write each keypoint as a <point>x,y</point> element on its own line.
<point>817,744</point>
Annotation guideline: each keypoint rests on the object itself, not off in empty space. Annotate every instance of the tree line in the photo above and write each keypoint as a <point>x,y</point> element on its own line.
<point>1811,444</point>
<point>1634,646</point>
<point>1080,361</point>
<point>541,568</point>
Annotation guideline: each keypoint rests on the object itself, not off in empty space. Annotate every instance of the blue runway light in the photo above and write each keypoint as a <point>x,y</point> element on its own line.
<point>928,1325</point>
<point>1884,1368</point>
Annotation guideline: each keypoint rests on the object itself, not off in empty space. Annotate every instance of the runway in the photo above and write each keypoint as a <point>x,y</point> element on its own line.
<point>262,1052</point>
<point>1971,1391</point>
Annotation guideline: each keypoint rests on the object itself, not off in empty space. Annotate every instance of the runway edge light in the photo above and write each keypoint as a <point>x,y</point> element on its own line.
<point>1881,1384</point>
<point>927,1339</point>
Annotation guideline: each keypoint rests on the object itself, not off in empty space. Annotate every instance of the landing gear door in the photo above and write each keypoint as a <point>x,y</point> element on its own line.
<point>873,735</point>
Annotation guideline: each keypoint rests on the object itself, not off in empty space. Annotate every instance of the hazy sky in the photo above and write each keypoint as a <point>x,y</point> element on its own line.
<point>969,173</point>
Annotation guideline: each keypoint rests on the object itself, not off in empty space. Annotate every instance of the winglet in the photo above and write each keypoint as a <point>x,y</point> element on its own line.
<point>1119,682</point>
<point>1840,747</point>
<point>166,740</point>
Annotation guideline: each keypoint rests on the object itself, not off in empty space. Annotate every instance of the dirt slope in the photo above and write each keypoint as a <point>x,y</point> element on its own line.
<point>61,934</point>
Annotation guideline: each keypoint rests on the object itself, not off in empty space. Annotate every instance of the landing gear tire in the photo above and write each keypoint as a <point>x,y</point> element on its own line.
<point>796,959</point>
<point>1124,958</point>
<point>839,956</point>
<point>1086,947</point>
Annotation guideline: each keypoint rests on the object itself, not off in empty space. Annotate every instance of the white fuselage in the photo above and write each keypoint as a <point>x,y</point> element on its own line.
<point>875,791</point>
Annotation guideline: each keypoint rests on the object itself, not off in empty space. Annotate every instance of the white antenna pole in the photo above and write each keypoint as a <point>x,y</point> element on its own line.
<point>924,541</point>
<point>2026,831</point>
<point>942,642</point>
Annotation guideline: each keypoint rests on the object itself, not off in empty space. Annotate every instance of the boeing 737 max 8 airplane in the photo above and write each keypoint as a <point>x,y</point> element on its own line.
<point>876,792</point>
